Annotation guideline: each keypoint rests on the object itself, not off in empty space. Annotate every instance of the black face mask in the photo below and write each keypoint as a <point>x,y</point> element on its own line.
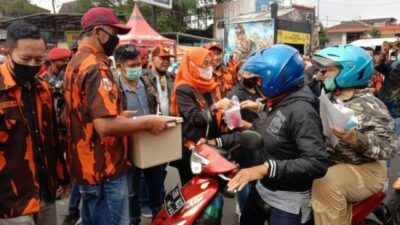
<point>251,82</point>
<point>110,45</point>
<point>25,72</point>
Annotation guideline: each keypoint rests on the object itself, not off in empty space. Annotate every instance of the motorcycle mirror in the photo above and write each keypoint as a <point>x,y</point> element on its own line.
<point>209,120</point>
<point>250,151</point>
<point>251,140</point>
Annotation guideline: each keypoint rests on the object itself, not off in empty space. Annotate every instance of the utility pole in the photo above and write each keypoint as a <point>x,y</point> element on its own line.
<point>274,16</point>
<point>319,6</point>
<point>154,16</point>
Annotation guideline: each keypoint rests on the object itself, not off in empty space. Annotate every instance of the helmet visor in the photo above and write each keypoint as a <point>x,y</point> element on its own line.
<point>248,75</point>
<point>322,62</point>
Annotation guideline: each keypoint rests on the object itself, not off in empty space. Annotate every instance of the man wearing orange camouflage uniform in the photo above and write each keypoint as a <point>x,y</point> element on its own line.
<point>223,76</point>
<point>95,125</point>
<point>32,165</point>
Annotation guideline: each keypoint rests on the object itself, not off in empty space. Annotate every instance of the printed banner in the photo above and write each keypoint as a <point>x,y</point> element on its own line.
<point>246,38</point>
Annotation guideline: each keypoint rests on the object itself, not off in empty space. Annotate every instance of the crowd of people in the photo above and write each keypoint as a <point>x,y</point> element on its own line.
<point>64,123</point>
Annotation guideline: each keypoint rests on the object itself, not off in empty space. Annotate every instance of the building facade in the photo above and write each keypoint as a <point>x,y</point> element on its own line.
<point>349,31</point>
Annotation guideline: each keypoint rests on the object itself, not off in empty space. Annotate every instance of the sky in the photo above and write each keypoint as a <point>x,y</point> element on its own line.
<point>334,11</point>
<point>331,11</point>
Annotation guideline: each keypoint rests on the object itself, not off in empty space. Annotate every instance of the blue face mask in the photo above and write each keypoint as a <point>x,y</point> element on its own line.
<point>133,74</point>
<point>329,84</point>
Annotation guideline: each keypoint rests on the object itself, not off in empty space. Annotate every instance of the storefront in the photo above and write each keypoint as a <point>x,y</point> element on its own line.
<point>298,40</point>
<point>244,34</point>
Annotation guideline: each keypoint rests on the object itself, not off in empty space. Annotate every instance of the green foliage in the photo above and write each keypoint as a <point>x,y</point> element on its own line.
<point>167,20</point>
<point>17,8</point>
<point>372,33</point>
<point>323,38</point>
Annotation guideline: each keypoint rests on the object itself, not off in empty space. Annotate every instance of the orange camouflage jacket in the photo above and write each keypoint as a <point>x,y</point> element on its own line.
<point>226,80</point>
<point>91,92</point>
<point>19,184</point>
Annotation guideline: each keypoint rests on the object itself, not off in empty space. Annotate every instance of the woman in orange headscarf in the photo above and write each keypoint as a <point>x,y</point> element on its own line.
<point>194,96</point>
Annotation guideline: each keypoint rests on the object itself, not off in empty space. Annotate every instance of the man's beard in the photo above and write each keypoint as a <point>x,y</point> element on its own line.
<point>160,72</point>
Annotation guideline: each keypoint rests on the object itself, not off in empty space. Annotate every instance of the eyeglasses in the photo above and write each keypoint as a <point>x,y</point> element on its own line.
<point>207,63</point>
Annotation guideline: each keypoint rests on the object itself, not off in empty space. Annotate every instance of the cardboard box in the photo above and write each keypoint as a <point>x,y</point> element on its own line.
<point>148,150</point>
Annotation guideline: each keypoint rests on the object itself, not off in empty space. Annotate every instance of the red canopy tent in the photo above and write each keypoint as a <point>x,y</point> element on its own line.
<point>142,34</point>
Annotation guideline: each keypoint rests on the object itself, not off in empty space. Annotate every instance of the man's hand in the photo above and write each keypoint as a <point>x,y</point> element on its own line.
<point>204,141</point>
<point>247,175</point>
<point>223,104</point>
<point>320,76</point>
<point>156,124</point>
<point>250,105</point>
<point>350,136</point>
<point>64,191</point>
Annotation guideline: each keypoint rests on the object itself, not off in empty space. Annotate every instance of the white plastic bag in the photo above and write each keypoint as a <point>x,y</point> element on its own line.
<point>233,118</point>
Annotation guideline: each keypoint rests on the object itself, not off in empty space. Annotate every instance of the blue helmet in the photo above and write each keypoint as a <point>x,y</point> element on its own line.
<point>280,67</point>
<point>356,65</point>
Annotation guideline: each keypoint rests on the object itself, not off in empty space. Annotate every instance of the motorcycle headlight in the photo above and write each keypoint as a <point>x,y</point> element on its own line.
<point>197,163</point>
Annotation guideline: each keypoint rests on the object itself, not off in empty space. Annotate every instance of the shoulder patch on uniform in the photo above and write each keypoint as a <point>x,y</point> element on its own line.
<point>106,84</point>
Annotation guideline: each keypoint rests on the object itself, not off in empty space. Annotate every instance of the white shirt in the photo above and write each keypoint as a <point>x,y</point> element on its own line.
<point>164,99</point>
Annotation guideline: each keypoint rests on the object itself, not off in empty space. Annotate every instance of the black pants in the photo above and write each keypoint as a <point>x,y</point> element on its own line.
<point>183,166</point>
<point>257,212</point>
<point>154,180</point>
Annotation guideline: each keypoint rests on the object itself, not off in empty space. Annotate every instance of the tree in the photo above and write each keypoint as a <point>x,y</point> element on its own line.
<point>372,33</point>
<point>18,8</point>
<point>323,38</point>
<point>167,20</point>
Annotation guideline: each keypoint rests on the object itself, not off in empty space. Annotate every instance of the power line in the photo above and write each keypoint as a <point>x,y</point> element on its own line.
<point>361,5</point>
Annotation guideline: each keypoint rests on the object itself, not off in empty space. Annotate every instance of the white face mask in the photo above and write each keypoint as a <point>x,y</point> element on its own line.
<point>206,73</point>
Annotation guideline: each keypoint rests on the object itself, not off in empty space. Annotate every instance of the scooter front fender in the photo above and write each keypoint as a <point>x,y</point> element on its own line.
<point>197,194</point>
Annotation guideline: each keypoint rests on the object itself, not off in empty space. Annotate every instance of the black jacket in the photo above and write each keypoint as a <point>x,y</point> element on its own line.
<point>389,93</point>
<point>194,116</point>
<point>293,142</point>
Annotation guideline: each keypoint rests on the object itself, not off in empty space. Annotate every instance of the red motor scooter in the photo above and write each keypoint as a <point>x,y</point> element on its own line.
<point>198,201</point>
<point>386,213</point>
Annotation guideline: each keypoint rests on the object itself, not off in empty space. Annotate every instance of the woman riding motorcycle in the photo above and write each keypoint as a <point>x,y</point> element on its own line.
<point>357,168</point>
<point>294,149</point>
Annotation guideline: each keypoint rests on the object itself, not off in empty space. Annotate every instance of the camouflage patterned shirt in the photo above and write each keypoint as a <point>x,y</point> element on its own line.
<point>19,181</point>
<point>375,132</point>
<point>91,92</point>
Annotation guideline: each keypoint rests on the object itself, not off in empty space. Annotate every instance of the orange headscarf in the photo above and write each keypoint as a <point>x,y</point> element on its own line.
<point>188,74</point>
